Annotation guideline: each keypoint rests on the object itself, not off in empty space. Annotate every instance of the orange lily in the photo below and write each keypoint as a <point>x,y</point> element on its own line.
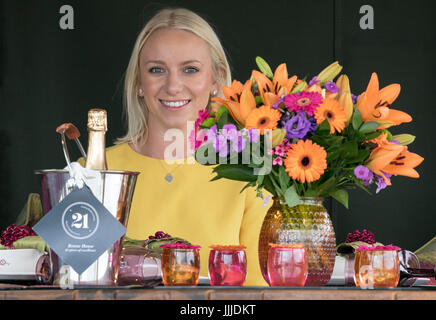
<point>374,104</point>
<point>381,156</point>
<point>239,104</point>
<point>234,92</point>
<point>392,158</point>
<point>403,164</point>
<point>271,91</point>
<point>345,100</point>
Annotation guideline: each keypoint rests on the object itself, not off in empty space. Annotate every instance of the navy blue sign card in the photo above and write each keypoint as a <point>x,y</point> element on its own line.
<point>79,229</point>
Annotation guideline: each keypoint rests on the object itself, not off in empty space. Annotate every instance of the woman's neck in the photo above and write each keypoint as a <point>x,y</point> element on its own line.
<point>155,146</point>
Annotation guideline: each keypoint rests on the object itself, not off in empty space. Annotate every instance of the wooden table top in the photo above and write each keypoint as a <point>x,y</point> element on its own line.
<point>18,292</point>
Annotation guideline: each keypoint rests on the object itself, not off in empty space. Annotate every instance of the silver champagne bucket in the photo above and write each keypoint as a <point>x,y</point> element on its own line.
<point>116,194</point>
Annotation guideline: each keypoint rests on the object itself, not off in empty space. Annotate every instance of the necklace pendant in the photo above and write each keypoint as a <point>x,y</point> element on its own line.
<point>169,178</point>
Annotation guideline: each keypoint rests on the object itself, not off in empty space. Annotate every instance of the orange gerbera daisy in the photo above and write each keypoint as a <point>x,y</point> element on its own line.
<point>332,111</point>
<point>306,161</point>
<point>263,118</point>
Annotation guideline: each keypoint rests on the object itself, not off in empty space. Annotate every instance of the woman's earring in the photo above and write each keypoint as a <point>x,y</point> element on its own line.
<point>140,91</point>
<point>214,92</point>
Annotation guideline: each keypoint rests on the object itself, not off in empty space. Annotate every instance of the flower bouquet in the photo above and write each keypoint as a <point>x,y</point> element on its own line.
<point>304,139</point>
<point>301,141</point>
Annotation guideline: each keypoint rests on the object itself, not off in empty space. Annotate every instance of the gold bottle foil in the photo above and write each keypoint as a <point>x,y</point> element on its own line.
<point>97,120</point>
<point>97,126</point>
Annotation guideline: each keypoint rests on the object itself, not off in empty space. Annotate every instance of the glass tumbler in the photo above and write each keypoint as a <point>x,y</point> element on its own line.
<point>287,265</point>
<point>180,267</point>
<point>227,266</point>
<point>377,268</point>
<point>139,266</point>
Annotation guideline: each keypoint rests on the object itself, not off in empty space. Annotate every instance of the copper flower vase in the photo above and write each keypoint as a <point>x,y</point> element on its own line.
<point>307,223</point>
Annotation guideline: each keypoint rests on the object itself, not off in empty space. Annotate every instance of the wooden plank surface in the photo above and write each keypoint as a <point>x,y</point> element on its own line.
<point>213,293</point>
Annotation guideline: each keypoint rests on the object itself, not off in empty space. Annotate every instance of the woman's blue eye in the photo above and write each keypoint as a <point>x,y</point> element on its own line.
<point>191,70</point>
<point>155,70</point>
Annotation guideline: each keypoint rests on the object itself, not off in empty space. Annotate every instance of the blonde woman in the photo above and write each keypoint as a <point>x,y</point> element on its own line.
<point>176,66</point>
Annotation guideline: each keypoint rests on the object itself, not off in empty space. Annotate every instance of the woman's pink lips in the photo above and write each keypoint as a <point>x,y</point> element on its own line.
<point>175,108</point>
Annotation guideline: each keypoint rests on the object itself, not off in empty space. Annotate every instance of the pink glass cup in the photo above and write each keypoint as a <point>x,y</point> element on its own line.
<point>287,265</point>
<point>227,266</point>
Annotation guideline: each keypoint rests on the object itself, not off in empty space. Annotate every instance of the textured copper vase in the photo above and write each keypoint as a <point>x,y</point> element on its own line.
<point>308,223</point>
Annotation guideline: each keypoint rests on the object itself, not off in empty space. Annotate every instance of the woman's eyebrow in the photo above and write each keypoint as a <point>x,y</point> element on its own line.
<point>182,63</point>
<point>191,61</point>
<point>154,61</point>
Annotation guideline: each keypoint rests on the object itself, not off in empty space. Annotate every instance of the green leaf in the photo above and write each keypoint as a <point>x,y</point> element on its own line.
<point>284,178</point>
<point>235,172</point>
<point>258,100</point>
<point>349,149</point>
<point>260,179</point>
<point>267,184</point>
<point>249,184</point>
<point>220,111</point>
<point>362,155</point>
<point>299,87</point>
<point>223,119</point>
<point>369,127</point>
<point>325,186</point>
<point>323,128</point>
<point>209,122</point>
<point>217,177</point>
<point>291,196</point>
<point>356,119</point>
<point>340,195</point>
<point>264,67</point>
<point>372,135</point>
<point>31,242</point>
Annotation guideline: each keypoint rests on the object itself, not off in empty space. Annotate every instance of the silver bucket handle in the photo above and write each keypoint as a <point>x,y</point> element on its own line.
<point>65,148</point>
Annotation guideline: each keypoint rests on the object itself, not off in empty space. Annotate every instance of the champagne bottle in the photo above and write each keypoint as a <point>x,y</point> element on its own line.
<point>97,127</point>
<point>407,273</point>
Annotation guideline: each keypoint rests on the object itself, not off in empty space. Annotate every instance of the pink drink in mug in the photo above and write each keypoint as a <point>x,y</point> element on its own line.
<point>227,265</point>
<point>287,265</point>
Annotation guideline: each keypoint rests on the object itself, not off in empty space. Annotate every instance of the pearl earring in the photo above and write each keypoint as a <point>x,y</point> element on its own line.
<point>140,91</point>
<point>214,92</point>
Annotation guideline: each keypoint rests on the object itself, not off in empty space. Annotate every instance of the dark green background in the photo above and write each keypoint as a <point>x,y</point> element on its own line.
<point>50,76</point>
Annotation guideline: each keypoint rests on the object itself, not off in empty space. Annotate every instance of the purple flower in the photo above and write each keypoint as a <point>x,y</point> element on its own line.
<point>363,173</point>
<point>238,143</point>
<point>219,141</point>
<point>253,135</point>
<point>278,103</point>
<point>285,117</point>
<point>355,98</point>
<point>395,142</point>
<point>313,81</point>
<point>211,133</point>
<point>331,86</point>
<point>265,201</point>
<point>298,126</point>
<point>221,146</point>
<point>230,131</point>
<point>313,125</point>
<point>381,183</point>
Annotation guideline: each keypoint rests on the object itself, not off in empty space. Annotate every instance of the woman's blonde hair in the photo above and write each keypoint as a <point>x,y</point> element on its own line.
<point>176,18</point>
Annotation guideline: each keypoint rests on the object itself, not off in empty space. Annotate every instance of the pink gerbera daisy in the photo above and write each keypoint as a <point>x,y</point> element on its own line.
<point>197,136</point>
<point>303,101</point>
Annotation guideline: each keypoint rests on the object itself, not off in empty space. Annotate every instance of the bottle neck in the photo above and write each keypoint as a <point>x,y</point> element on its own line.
<point>96,155</point>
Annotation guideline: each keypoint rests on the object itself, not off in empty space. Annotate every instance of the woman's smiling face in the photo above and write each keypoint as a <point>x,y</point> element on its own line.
<point>176,77</point>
